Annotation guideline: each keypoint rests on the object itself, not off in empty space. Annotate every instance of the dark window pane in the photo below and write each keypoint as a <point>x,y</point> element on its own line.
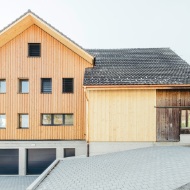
<point>58,119</point>
<point>2,121</point>
<point>2,86</point>
<point>68,152</point>
<point>34,49</point>
<point>68,85</point>
<point>46,119</point>
<point>24,123</point>
<point>68,119</point>
<point>24,86</point>
<point>46,85</point>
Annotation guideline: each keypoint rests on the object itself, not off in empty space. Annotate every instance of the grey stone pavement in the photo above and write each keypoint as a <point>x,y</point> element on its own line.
<point>16,182</point>
<point>155,168</point>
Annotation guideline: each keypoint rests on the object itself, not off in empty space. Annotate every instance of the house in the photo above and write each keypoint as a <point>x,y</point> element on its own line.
<point>59,100</point>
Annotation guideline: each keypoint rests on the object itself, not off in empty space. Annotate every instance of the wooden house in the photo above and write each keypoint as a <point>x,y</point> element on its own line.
<point>58,99</point>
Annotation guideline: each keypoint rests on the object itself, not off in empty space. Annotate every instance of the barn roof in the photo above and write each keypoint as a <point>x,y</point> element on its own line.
<point>143,66</point>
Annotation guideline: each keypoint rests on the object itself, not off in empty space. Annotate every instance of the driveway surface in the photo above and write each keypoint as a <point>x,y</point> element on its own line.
<point>16,182</point>
<point>155,168</point>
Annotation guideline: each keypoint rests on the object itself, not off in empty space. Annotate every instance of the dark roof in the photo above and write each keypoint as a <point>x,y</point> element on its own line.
<point>144,66</point>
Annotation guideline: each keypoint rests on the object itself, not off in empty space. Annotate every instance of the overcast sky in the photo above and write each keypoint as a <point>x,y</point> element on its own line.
<point>112,23</point>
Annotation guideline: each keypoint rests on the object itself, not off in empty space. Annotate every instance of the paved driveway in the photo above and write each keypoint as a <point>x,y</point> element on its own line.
<point>155,168</point>
<point>16,182</point>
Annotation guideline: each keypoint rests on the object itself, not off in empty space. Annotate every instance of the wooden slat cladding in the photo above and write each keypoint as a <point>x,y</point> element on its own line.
<point>168,119</point>
<point>56,62</point>
<point>121,115</point>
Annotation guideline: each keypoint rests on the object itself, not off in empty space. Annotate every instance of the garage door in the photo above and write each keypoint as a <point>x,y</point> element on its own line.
<point>9,161</point>
<point>39,159</point>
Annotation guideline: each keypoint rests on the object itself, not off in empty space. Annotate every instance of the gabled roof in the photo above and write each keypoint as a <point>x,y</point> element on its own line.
<point>147,66</point>
<point>30,18</point>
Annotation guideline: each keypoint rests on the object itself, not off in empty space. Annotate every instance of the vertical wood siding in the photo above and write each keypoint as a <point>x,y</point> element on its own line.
<point>122,115</point>
<point>56,62</point>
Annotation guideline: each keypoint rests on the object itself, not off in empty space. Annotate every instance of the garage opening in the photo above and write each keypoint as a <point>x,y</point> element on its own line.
<point>39,159</point>
<point>9,161</point>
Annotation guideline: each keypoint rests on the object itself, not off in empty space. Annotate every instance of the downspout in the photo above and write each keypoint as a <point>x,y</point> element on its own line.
<point>87,123</point>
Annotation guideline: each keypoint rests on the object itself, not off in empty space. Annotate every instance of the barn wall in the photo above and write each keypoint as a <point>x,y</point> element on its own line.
<point>121,115</point>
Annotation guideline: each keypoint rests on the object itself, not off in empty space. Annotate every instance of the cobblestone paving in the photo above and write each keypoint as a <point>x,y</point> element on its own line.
<point>155,168</point>
<point>16,182</point>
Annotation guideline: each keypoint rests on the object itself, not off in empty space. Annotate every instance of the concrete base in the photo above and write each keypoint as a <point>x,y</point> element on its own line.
<point>185,138</point>
<point>80,149</point>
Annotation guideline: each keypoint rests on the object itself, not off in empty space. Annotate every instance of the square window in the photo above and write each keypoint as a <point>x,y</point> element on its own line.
<point>58,119</point>
<point>23,121</point>
<point>34,49</point>
<point>69,152</point>
<point>46,119</point>
<point>2,120</point>
<point>68,119</point>
<point>2,86</point>
<point>24,86</point>
<point>68,85</point>
<point>46,85</point>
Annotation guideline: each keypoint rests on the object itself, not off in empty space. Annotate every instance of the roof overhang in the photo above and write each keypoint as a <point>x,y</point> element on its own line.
<point>29,19</point>
<point>123,87</point>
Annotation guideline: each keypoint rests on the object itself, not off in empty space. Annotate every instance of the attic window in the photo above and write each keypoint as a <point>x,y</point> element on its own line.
<point>67,85</point>
<point>34,49</point>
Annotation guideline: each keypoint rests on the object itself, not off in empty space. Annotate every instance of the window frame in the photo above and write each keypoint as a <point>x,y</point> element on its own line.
<point>72,86</point>
<point>19,123</point>
<point>19,89</point>
<point>52,119</point>
<point>42,86</point>
<point>29,45</point>
<point>1,80</point>
<point>5,121</point>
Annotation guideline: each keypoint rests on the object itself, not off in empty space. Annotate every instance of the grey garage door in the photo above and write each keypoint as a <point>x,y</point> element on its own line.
<point>9,161</point>
<point>39,159</point>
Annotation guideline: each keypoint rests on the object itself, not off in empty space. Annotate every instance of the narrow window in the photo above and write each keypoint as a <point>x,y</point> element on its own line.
<point>68,119</point>
<point>185,119</point>
<point>2,120</point>
<point>34,49</point>
<point>2,86</point>
<point>69,152</point>
<point>46,85</point>
<point>67,85</point>
<point>23,121</point>
<point>23,86</point>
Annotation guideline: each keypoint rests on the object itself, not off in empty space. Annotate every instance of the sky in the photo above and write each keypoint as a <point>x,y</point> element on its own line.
<point>112,24</point>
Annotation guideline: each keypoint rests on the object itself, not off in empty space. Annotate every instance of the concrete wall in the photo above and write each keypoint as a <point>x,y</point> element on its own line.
<point>80,149</point>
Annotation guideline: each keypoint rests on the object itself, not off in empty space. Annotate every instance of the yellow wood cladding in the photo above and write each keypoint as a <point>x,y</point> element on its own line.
<point>121,115</point>
<point>56,62</point>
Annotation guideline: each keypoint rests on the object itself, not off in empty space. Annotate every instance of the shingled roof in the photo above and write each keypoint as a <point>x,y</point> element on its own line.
<point>144,66</point>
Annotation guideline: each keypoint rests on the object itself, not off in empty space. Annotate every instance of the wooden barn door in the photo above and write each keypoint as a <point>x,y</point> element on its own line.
<point>168,125</point>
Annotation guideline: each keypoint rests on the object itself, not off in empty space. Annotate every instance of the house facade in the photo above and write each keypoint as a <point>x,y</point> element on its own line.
<point>59,100</point>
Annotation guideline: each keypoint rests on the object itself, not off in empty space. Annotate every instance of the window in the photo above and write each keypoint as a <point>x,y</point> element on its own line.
<point>185,119</point>
<point>2,86</point>
<point>68,152</point>
<point>34,49</point>
<point>67,85</point>
<point>23,121</point>
<point>23,86</point>
<point>2,120</point>
<point>57,119</point>
<point>46,85</point>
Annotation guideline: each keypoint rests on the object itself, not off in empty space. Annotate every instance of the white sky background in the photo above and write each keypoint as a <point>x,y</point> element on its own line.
<point>112,23</point>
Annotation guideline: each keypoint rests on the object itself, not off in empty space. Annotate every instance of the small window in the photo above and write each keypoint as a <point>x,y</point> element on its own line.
<point>46,85</point>
<point>69,152</point>
<point>57,119</point>
<point>185,119</point>
<point>34,49</point>
<point>67,85</point>
<point>23,121</point>
<point>2,120</point>
<point>3,86</point>
<point>23,86</point>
